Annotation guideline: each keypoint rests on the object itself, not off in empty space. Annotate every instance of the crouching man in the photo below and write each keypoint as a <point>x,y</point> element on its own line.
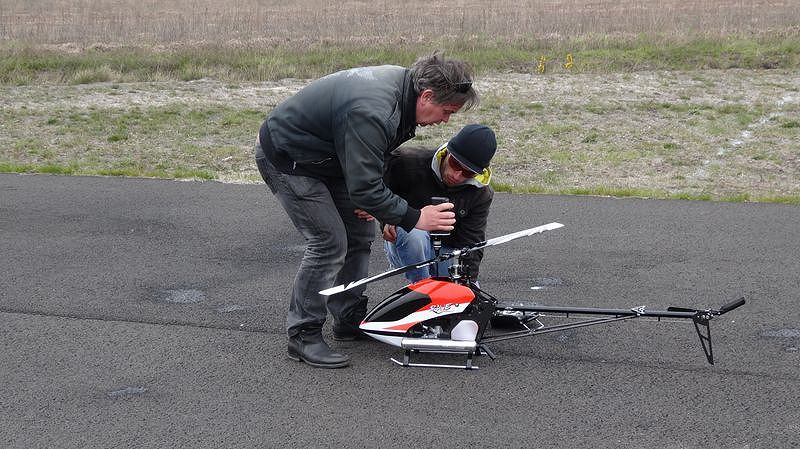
<point>458,170</point>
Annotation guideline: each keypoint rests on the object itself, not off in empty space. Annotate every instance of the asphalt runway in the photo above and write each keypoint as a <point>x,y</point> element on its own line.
<point>148,314</point>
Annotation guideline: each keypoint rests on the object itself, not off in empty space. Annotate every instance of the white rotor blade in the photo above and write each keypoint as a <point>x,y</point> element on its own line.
<point>396,271</point>
<point>516,235</point>
<point>377,277</point>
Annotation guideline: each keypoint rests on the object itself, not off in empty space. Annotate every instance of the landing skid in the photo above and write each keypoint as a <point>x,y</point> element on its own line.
<point>407,363</point>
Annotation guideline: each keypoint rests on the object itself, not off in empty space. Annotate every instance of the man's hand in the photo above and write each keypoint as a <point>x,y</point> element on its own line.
<point>364,215</point>
<point>389,233</point>
<point>436,217</point>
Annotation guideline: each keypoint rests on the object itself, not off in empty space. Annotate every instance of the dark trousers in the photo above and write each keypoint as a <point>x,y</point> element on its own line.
<point>337,248</point>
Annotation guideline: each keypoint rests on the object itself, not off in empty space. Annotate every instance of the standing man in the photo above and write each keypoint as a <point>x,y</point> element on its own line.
<point>321,153</point>
<point>458,170</point>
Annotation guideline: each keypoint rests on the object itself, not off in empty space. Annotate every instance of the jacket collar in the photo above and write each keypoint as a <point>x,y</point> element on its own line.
<point>408,109</point>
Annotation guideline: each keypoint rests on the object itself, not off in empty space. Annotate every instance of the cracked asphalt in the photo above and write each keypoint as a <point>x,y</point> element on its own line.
<point>150,313</point>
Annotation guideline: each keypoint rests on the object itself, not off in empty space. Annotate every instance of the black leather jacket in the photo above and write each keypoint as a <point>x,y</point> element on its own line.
<point>343,126</point>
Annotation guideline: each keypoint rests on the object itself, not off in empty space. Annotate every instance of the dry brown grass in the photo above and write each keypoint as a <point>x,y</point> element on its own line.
<point>258,22</point>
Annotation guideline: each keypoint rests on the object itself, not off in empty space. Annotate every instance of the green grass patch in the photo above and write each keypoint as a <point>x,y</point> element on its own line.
<point>691,196</point>
<point>620,192</point>
<point>56,169</point>
<point>502,187</point>
<point>791,124</point>
<point>635,192</point>
<point>12,167</point>
<point>787,199</point>
<point>129,171</point>
<point>26,64</point>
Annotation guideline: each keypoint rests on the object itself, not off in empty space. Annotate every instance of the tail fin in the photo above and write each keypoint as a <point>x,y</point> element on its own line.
<point>702,319</point>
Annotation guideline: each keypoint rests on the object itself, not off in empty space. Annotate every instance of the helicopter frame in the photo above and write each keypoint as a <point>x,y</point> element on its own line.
<point>528,318</point>
<point>453,315</point>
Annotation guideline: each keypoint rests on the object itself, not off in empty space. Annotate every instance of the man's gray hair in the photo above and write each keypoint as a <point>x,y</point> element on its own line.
<point>449,79</point>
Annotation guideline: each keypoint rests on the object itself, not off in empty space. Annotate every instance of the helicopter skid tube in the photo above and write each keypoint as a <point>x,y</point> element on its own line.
<point>411,345</point>
<point>439,345</point>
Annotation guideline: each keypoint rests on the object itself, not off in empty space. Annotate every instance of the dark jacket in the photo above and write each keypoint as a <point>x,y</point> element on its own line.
<point>343,126</point>
<point>413,173</point>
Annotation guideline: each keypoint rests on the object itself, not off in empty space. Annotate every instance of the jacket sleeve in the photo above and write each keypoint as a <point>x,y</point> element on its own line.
<point>390,167</point>
<point>360,148</point>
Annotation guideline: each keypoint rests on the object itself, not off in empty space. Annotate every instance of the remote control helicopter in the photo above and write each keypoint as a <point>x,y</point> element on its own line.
<point>453,315</point>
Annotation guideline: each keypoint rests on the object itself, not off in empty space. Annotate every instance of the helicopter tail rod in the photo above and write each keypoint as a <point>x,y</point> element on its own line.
<point>700,318</point>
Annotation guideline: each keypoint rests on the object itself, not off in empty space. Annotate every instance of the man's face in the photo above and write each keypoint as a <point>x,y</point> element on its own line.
<point>453,173</point>
<point>431,113</point>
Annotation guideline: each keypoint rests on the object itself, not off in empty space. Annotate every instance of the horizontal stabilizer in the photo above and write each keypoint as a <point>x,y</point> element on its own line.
<point>732,305</point>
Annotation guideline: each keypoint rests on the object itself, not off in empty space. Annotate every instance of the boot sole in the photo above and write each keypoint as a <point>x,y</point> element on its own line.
<point>298,358</point>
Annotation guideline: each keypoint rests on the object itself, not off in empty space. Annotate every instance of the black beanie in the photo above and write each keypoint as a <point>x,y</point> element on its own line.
<point>473,147</point>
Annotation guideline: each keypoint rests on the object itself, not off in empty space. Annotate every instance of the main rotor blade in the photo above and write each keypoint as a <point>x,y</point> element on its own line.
<point>441,258</point>
<point>513,236</point>
<point>378,277</point>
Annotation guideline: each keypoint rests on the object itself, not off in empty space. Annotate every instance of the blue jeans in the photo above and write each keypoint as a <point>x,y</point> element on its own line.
<point>337,248</point>
<point>414,247</point>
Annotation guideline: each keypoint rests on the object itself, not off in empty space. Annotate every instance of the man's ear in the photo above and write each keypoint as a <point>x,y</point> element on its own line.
<point>426,95</point>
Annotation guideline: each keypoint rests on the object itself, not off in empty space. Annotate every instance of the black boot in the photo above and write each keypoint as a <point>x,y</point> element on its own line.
<point>346,332</point>
<point>346,328</point>
<point>309,346</point>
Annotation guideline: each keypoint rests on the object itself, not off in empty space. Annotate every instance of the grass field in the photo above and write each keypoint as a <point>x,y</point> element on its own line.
<point>671,99</point>
<point>369,22</point>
